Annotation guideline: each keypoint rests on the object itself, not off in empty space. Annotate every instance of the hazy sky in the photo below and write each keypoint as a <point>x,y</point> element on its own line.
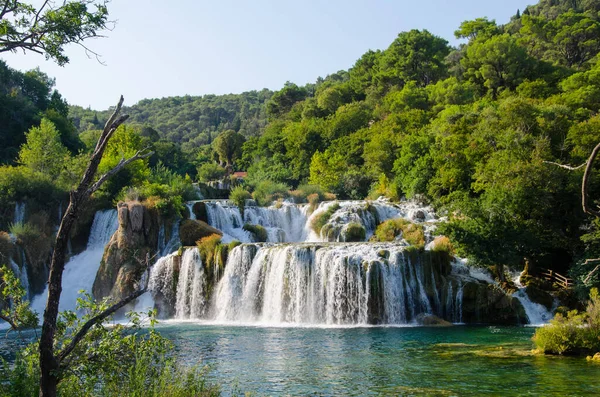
<point>178,47</point>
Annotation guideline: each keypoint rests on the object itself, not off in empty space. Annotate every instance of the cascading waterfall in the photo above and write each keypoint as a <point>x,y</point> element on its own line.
<point>330,284</point>
<point>284,223</point>
<point>536,313</point>
<point>366,213</point>
<point>19,216</point>
<point>81,269</point>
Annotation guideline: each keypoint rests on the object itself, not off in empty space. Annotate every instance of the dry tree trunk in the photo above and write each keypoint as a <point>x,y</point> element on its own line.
<point>50,361</point>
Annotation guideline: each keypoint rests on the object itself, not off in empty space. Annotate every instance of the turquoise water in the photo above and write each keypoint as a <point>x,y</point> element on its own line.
<point>461,360</point>
<point>456,361</point>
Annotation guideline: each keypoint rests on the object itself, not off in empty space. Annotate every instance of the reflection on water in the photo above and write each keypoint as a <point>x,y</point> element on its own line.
<point>375,361</point>
<point>471,361</point>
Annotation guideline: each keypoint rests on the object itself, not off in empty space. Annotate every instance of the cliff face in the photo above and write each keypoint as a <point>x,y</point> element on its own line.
<point>126,255</point>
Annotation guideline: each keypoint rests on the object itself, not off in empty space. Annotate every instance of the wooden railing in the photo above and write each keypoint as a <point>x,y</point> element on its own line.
<point>556,278</point>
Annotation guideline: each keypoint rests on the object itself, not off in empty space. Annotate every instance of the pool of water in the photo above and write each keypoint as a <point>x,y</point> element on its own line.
<point>415,361</point>
<point>452,361</point>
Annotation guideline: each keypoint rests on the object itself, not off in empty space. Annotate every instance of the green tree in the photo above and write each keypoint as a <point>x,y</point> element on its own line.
<point>43,152</point>
<point>414,56</point>
<point>228,145</point>
<point>496,64</point>
<point>480,28</point>
<point>47,29</point>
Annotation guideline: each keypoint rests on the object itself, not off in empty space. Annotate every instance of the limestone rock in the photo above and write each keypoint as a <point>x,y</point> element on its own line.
<point>191,231</point>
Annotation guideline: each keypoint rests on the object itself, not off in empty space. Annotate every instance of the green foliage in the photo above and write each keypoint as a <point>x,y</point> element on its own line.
<point>575,333</point>
<point>258,232</point>
<point>208,172</point>
<point>43,151</point>
<point>238,196</point>
<point>49,28</point>
<point>266,192</point>
<point>391,229</point>
<point>12,295</point>
<point>164,190</point>
<point>354,232</point>
<point>228,146</point>
<point>121,359</point>
<point>208,247</point>
<point>319,220</point>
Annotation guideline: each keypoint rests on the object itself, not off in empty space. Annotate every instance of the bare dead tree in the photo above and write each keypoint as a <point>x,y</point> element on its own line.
<point>50,361</point>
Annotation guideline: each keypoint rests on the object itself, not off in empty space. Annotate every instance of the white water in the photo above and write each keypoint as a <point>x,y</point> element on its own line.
<point>81,269</point>
<point>537,314</point>
<point>332,284</point>
<point>288,222</point>
<point>19,216</point>
<point>284,223</point>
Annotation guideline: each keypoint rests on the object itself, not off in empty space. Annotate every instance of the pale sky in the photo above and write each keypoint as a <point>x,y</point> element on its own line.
<point>179,47</point>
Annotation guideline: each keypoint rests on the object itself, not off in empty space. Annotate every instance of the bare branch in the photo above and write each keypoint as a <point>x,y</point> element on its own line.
<point>110,121</point>
<point>584,185</point>
<point>565,166</point>
<point>590,274</point>
<point>122,164</point>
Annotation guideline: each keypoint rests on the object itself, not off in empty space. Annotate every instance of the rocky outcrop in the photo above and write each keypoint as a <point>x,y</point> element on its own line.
<point>125,255</point>
<point>191,231</point>
<point>488,304</point>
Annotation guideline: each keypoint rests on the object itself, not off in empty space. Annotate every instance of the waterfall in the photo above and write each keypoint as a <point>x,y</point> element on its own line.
<point>19,216</point>
<point>368,214</point>
<point>329,284</point>
<point>284,223</point>
<point>537,314</point>
<point>21,274</point>
<point>81,269</point>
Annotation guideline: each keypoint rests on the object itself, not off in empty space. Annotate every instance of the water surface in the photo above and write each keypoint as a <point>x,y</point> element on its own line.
<point>457,361</point>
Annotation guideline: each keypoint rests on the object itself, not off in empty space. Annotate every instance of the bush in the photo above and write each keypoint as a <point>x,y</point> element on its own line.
<point>208,247</point>
<point>354,232</point>
<point>320,220</point>
<point>22,183</point>
<point>313,201</point>
<point>111,361</point>
<point>238,196</point>
<point>164,190</point>
<point>208,172</point>
<point>258,232</point>
<point>266,192</point>
<point>577,333</point>
<point>392,228</point>
<point>442,244</point>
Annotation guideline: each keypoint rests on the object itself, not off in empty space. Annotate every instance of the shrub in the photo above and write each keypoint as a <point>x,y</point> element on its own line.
<point>575,333</point>
<point>321,219</point>
<point>354,232</point>
<point>313,201</point>
<point>208,172</point>
<point>442,244</point>
<point>392,228</point>
<point>304,191</point>
<point>208,248</point>
<point>258,232</point>
<point>238,196</point>
<point>266,192</point>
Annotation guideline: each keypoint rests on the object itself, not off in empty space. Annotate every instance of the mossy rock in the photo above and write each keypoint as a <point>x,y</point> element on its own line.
<point>540,296</point>
<point>354,232</point>
<point>191,231</point>
<point>259,233</point>
<point>199,210</point>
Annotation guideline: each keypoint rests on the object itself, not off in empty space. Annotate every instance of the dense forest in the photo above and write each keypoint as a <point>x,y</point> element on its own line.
<point>471,129</point>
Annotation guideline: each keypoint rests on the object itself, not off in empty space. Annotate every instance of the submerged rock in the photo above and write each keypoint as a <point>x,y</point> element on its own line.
<point>430,320</point>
